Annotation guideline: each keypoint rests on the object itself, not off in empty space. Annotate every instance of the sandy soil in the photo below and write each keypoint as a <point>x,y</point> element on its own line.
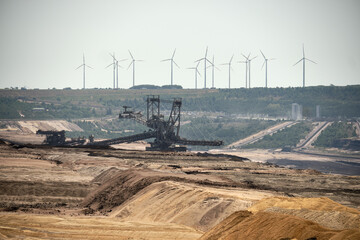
<point>30,127</point>
<point>264,155</point>
<point>265,225</point>
<point>53,192</point>
<point>18,226</point>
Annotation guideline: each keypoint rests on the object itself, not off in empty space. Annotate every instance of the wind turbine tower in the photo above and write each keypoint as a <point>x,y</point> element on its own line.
<point>213,71</point>
<point>205,60</point>
<point>83,65</point>
<point>303,59</point>
<point>265,63</point>
<point>229,63</point>
<point>171,64</point>
<point>116,67</point>
<point>133,64</point>
<point>196,73</point>
<point>248,59</point>
<point>246,71</point>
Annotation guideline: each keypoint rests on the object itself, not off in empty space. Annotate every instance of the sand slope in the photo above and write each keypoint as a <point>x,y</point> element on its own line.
<point>188,204</point>
<point>319,204</point>
<point>322,210</point>
<point>31,226</point>
<point>265,225</point>
<point>153,196</point>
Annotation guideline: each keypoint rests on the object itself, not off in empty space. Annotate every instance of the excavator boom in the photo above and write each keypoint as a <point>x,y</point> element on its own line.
<point>132,138</point>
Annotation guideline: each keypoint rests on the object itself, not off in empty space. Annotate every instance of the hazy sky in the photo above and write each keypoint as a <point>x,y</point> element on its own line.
<point>42,41</point>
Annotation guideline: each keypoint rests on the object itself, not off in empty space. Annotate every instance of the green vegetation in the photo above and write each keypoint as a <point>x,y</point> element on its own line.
<point>112,128</point>
<point>226,129</point>
<point>17,109</point>
<point>203,128</point>
<point>287,137</point>
<point>149,86</point>
<point>276,102</point>
<point>336,131</point>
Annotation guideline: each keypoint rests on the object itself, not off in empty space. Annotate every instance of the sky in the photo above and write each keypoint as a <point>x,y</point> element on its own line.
<point>43,41</point>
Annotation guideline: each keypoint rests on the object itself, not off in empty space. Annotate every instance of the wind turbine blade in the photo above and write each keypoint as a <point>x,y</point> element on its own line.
<point>123,60</point>
<point>303,51</point>
<point>224,64</point>
<point>245,57</point>
<point>109,65</point>
<point>200,60</point>
<point>298,61</point>
<point>88,66</point>
<point>140,60</point>
<point>166,60</point>
<point>231,58</point>
<point>271,59</point>
<point>217,68</point>
<point>130,64</point>
<point>79,66</point>
<point>176,64</point>
<point>197,65</point>
<point>263,64</point>
<point>190,68</point>
<point>198,72</point>
<point>248,55</point>
<point>173,54</point>
<point>310,60</point>
<point>131,55</point>
<point>112,55</point>
<point>242,62</point>
<point>206,51</point>
<point>208,61</point>
<point>263,54</point>
<point>253,58</point>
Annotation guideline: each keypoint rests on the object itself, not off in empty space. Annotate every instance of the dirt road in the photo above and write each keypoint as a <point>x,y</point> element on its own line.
<point>259,135</point>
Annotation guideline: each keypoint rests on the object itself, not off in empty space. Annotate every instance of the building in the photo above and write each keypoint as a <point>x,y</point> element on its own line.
<point>318,115</point>
<point>296,112</point>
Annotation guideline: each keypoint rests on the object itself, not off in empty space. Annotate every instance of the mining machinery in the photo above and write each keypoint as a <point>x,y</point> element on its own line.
<point>165,132</point>
<point>53,137</point>
<point>57,138</point>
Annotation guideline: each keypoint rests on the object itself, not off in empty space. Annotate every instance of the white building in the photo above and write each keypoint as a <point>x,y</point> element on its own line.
<point>296,112</point>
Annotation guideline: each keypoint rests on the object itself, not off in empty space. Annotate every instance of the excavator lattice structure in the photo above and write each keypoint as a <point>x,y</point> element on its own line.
<point>165,132</point>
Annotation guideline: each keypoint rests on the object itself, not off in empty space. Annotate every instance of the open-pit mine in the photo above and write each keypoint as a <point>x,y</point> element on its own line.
<point>94,193</point>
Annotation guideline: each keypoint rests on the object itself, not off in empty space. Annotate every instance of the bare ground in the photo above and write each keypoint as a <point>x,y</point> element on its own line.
<point>149,195</point>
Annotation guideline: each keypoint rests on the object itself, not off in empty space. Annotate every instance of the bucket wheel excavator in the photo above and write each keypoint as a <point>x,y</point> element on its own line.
<point>165,132</point>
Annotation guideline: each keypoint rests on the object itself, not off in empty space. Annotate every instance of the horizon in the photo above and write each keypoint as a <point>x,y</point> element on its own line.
<point>43,42</point>
<point>161,88</point>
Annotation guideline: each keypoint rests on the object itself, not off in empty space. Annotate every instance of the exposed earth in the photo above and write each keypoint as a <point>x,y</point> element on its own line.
<point>121,193</point>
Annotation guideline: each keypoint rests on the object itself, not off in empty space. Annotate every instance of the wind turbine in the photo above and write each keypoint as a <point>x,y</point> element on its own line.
<point>205,60</point>
<point>303,59</point>
<point>265,62</point>
<point>246,70</point>
<point>229,63</point>
<point>196,73</point>
<point>116,66</point>
<point>248,59</point>
<point>83,65</point>
<point>213,71</point>
<point>133,64</point>
<point>172,62</point>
